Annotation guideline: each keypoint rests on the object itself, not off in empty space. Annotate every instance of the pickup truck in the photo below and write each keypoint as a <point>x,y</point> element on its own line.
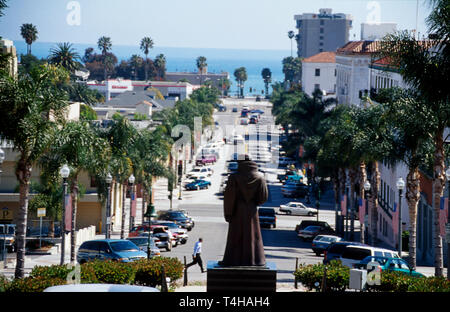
<point>267,217</point>
<point>205,159</point>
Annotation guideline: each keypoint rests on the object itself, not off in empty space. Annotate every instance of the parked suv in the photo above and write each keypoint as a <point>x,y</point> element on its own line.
<point>109,249</point>
<point>267,217</point>
<point>354,254</point>
<point>334,251</point>
<point>179,217</point>
<point>305,223</point>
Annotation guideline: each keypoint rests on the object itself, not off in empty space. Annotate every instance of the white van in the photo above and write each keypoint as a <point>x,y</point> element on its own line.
<point>353,254</point>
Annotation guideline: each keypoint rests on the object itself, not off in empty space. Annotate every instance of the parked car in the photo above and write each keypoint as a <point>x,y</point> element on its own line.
<point>321,242</point>
<point>222,108</point>
<point>257,111</point>
<point>285,161</point>
<point>354,254</point>
<point>232,166</point>
<point>8,236</point>
<point>244,121</point>
<point>234,110</point>
<point>297,208</point>
<point>138,230</point>
<point>305,223</point>
<point>244,113</point>
<point>166,239</point>
<point>267,217</point>
<point>142,243</point>
<point>388,264</point>
<point>176,230</point>
<point>253,121</point>
<point>198,185</point>
<point>121,250</point>
<point>310,232</point>
<point>334,251</point>
<point>204,177</point>
<point>205,160</point>
<point>200,171</point>
<point>179,217</point>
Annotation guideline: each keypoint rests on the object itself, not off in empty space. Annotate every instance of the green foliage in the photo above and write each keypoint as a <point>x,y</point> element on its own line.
<point>50,272</point>
<point>87,113</point>
<point>399,282</point>
<point>111,272</point>
<point>33,284</point>
<point>292,68</point>
<point>64,55</point>
<point>4,282</point>
<point>139,116</point>
<point>148,272</point>
<point>337,276</point>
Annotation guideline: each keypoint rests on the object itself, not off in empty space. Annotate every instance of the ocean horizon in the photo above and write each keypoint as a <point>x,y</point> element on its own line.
<point>184,60</point>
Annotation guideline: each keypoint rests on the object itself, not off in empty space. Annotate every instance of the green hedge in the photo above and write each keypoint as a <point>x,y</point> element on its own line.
<point>143,272</point>
<point>311,276</point>
<point>338,280</point>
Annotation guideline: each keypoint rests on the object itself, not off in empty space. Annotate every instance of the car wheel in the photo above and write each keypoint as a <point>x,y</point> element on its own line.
<point>310,214</point>
<point>288,212</point>
<point>274,226</point>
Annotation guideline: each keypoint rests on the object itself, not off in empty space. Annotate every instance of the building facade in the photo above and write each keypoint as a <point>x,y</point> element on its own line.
<point>376,31</point>
<point>321,32</point>
<point>7,47</point>
<point>319,72</point>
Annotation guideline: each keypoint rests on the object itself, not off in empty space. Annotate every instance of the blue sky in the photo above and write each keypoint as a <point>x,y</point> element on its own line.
<point>235,24</point>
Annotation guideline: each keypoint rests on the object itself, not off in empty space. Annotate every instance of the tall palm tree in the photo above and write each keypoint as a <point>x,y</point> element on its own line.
<point>25,107</point>
<point>267,77</point>
<point>240,75</point>
<point>30,34</point>
<point>136,62</point>
<point>146,45</point>
<point>291,35</point>
<point>2,6</point>
<point>201,65</point>
<point>105,45</point>
<point>414,58</point>
<point>160,63</point>
<point>77,145</point>
<point>65,56</point>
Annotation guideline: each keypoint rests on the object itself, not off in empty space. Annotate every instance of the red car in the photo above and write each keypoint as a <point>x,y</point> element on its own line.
<point>138,230</point>
<point>206,159</point>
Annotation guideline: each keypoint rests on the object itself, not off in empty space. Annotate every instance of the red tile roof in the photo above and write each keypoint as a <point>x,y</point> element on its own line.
<point>359,47</point>
<point>322,57</point>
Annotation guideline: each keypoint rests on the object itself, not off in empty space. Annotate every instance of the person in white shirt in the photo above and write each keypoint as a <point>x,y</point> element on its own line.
<point>196,256</point>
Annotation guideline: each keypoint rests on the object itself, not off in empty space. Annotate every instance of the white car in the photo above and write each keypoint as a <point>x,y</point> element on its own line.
<point>297,208</point>
<point>200,171</point>
<point>354,254</point>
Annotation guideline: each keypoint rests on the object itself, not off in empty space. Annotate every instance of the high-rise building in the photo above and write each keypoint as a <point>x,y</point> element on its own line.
<point>323,32</point>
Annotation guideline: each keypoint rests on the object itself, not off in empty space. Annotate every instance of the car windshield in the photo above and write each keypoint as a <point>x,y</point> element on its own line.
<point>177,215</point>
<point>123,246</point>
<point>381,261</point>
<point>266,212</point>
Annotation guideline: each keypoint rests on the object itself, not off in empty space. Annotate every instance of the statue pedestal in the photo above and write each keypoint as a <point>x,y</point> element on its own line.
<point>241,278</point>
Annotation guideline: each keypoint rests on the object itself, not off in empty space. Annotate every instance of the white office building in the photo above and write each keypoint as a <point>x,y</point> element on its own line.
<point>319,72</point>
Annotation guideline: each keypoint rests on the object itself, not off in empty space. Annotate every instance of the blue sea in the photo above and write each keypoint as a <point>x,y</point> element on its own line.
<point>184,60</point>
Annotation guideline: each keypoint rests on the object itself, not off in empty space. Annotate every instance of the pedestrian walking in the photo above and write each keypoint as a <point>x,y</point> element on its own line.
<point>196,256</point>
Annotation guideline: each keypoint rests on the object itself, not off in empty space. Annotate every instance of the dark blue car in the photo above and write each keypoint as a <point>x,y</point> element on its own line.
<point>121,250</point>
<point>198,185</point>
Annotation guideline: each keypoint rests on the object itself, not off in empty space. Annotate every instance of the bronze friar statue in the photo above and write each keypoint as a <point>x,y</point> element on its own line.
<point>244,192</point>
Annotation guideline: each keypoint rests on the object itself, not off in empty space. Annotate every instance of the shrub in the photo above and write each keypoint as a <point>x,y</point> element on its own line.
<point>4,282</point>
<point>311,276</point>
<point>429,284</point>
<point>149,272</point>
<point>108,272</point>
<point>53,271</point>
<point>33,284</point>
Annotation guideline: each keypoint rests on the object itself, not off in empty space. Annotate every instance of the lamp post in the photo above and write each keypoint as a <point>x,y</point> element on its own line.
<point>108,180</point>
<point>318,196</point>
<point>366,212</point>
<point>131,180</point>
<point>447,174</point>
<point>64,172</point>
<point>400,187</point>
<point>2,158</point>
<point>347,191</point>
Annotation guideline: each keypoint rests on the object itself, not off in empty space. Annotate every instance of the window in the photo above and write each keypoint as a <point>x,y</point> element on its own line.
<point>317,72</point>
<point>321,37</point>
<point>356,253</point>
<point>320,50</point>
<point>320,43</point>
<point>321,30</point>
<point>335,72</point>
<point>322,22</point>
<point>317,86</point>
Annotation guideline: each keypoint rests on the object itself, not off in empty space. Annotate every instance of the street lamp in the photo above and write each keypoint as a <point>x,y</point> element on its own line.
<point>366,212</point>
<point>131,180</point>
<point>2,158</point>
<point>318,197</point>
<point>447,174</point>
<point>64,172</point>
<point>108,181</point>
<point>400,187</point>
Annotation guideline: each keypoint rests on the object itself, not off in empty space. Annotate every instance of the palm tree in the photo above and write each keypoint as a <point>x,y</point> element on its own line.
<point>291,35</point>
<point>2,6</point>
<point>267,77</point>
<point>240,75</point>
<point>77,145</point>
<point>65,56</point>
<point>414,58</point>
<point>160,63</point>
<point>136,62</point>
<point>25,107</point>
<point>146,45</point>
<point>30,34</point>
<point>104,44</point>
<point>201,65</point>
